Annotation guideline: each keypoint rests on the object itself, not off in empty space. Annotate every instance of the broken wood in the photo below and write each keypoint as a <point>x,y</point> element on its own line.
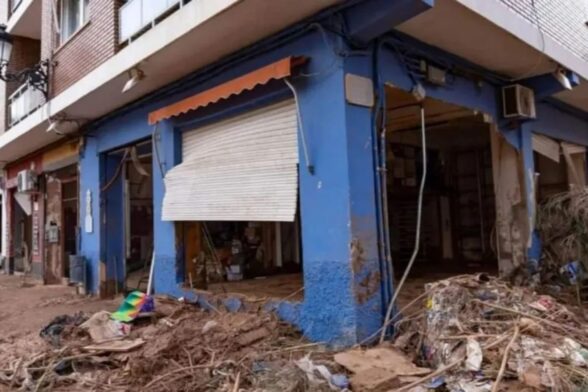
<point>118,346</point>
<point>515,335</point>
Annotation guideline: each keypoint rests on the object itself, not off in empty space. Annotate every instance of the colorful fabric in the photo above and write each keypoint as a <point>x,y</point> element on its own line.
<point>135,303</point>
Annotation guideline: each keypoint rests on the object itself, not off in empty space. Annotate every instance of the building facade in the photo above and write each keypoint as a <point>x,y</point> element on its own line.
<point>190,139</point>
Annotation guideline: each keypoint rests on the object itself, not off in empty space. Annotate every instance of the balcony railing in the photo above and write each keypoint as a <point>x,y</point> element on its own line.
<point>136,16</point>
<point>14,4</point>
<point>23,102</point>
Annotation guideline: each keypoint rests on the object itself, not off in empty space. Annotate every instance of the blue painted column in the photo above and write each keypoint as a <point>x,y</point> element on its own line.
<point>90,235</point>
<point>167,274</point>
<point>526,151</point>
<point>342,280</point>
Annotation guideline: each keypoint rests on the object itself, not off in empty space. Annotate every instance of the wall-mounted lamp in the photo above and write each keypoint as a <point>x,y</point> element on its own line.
<point>62,125</point>
<point>35,76</point>
<point>562,78</point>
<point>135,76</point>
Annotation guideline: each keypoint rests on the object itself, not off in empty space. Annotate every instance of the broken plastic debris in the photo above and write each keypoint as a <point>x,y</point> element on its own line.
<point>209,326</point>
<point>102,328</point>
<point>316,374</point>
<point>474,355</point>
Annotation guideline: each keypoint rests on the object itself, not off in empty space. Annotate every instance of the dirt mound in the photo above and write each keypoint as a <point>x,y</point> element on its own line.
<point>184,348</point>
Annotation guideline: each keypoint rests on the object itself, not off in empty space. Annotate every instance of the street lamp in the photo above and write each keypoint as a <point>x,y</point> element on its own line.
<point>35,76</point>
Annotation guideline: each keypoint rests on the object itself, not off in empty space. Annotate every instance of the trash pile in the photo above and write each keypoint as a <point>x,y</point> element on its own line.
<point>479,334</point>
<point>562,223</point>
<point>175,346</point>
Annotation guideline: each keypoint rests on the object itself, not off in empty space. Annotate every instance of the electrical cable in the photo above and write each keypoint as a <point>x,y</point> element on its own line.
<point>542,50</point>
<point>330,47</point>
<point>418,228</point>
<point>116,173</point>
<point>156,149</point>
<point>309,165</point>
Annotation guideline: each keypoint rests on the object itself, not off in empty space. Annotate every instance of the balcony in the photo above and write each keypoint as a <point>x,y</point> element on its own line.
<point>138,16</point>
<point>25,18</point>
<point>23,102</point>
<point>13,4</point>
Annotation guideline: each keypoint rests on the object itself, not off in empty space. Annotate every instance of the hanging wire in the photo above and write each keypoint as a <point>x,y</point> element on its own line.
<point>309,165</point>
<point>154,136</point>
<point>418,228</point>
<point>116,173</point>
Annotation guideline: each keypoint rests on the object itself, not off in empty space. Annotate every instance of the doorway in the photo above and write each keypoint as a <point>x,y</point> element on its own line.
<point>61,222</point>
<point>127,230</point>
<point>458,199</point>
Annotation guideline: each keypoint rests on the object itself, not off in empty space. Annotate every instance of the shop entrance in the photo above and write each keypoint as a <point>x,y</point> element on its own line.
<point>127,192</point>
<point>458,200</point>
<point>61,222</point>
<point>22,243</point>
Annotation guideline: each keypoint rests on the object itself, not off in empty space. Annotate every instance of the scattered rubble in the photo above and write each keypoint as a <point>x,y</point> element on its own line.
<point>182,347</point>
<point>469,334</point>
<point>480,334</point>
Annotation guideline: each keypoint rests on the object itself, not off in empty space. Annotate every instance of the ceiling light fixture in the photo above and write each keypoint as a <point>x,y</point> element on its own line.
<point>135,76</point>
<point>563,79</point>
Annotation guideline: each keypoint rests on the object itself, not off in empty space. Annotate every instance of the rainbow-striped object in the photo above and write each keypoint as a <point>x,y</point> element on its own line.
<point>135,303</point>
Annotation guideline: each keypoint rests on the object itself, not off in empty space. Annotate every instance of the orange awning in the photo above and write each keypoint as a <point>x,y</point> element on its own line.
<point>278,70</point>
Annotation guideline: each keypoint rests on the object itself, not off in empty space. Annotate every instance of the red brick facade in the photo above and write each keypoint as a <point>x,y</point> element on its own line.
<point>25,53</point>
<point>86,49</point>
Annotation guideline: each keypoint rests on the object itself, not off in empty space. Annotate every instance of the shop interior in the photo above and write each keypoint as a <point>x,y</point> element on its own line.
<point>558,166</point>
<point>22,242</point>
<point>61,222</point>
<point>257,259</point>
<point>138,213</point>
<point>127,191</point>
<point>458,202</point>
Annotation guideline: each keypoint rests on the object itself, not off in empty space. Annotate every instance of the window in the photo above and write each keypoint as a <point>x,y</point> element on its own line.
<point>73,14</point>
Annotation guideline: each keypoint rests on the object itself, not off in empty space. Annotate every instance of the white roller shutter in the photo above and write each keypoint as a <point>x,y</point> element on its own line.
<point>241,169</point>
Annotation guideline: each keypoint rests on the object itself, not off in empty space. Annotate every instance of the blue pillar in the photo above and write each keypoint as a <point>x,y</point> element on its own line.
<point>342,279</point>
<point>168,275</point>
<point>526,151</point>
<point>90,235</point>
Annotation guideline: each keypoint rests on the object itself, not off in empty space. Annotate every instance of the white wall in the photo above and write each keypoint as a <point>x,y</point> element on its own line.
<point>562,20</point>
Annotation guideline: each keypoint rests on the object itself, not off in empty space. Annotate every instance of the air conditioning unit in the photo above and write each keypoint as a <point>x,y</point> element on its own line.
<point>518,102</point>
<point>26,181</point>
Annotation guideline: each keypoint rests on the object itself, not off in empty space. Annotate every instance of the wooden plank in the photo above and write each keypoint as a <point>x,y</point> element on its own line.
<point>117,346</point>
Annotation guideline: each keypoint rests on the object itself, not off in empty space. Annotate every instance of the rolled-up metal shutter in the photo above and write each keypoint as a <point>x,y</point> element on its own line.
<point>241,169</point>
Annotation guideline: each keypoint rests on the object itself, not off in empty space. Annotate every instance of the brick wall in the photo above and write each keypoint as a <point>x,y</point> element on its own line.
<point>25,53</point>
<point>86,49</point>
<point>562,20</point>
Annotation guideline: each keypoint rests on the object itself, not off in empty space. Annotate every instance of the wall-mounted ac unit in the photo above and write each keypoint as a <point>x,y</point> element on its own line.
<point>26,181</point>
<point>518,102</point>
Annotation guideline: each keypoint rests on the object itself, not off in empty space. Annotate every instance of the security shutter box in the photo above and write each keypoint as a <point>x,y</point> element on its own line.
<point>244,168</point>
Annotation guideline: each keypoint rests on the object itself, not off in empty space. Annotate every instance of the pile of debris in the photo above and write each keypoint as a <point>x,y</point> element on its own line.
<point>178,347</point>
<point>479,334</point>
<point>562,223</point>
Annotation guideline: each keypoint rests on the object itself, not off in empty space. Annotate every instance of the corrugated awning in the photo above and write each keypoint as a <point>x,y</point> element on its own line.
<point>278,70</point>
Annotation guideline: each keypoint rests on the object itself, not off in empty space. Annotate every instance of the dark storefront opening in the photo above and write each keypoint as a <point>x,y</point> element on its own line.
<point>257,259</point>
<point>22,243</point>
<point>61,222</point>
<point>138,220</point>
<point>127,197</point>
<point>458,208</point>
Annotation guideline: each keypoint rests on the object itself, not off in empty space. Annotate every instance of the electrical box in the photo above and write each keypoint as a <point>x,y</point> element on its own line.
<point>52,234</point>
<point>518,102</point>
<point>26,181</point>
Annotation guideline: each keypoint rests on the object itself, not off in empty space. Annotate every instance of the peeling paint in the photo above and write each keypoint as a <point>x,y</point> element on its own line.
<point>357,256</point>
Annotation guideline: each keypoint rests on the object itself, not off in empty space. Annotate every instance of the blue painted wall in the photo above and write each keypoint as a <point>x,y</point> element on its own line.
<point>343,273</point>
